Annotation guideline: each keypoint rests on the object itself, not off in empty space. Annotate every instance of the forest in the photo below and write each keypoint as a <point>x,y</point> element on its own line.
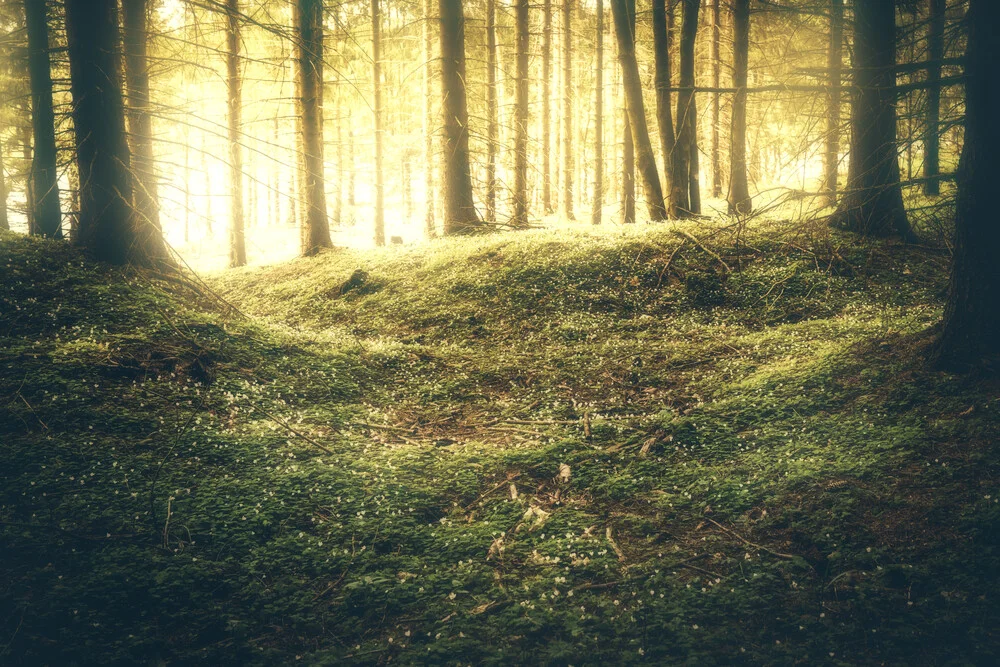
<point>428,332</point>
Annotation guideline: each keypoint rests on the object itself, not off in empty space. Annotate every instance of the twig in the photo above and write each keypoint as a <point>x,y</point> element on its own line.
<point>614,545</point>
<point>698,243</point>
<point>666,266</point>
<point>383,427</point>
<point>287,427</point>
<point>515,430</point>
<point>748,542</point>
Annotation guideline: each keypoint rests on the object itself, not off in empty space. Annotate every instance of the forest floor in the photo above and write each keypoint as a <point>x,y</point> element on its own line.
<point>659,445</point>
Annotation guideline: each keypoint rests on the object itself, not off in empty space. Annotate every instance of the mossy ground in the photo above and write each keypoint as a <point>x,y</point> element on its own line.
<point>544,448</point>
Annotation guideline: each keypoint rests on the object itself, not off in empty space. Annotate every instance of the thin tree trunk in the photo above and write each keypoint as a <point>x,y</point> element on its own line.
<point>932,136</point>
<point>567,85</point>
<point>459,205</point>
<point>29,190</point>
<point>623,12</point>
<point>234,102</point>
<point>873,205</point>
<point>44,203</point>
<point>831,157</point>
<point>107,227</point>
<point>662,9</point>
<point>521,117</point>
<point>547,106</point>
<point>140,124</point>
<point>972,318</point>
<point>430,227</point>
<point>716,98</point>
<point>377,121</point>
<point>598,203</point>
<point>628,171</point>
<point>740,202</point>
<point>680,166</point>
<point>4,222</point>
<point>492,122</point>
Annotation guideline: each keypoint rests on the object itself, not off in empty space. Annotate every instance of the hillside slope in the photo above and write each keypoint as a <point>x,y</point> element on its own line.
<point>627,447</point>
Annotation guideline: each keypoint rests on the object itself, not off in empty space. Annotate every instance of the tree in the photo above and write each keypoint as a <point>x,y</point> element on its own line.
<point>46,214</point>
<point>739,192</point>
<point>683,201</point>
<point>234,106</point>
<point>309,62</point>
<point>429,124</point>
<point>4,222</point>
<point>598,203</point>
<point>932,131</point>
<point>716,98</point>
<point>492,115</point>
<point>521,116</point>
<point>628,172</point>
<point>972,318</point>
<point>460,216</point>
<point>377,122</point>
<point>831,156</point>
<point>547,106</point>
<point>567,83</point>
<point>107,227</point>
<point>623,12</point>
<point>873,203</point>
<point>662,18</point>
<point>140,123</point>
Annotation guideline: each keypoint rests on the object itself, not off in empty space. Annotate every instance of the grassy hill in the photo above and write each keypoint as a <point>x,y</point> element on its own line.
<point>659,445</point>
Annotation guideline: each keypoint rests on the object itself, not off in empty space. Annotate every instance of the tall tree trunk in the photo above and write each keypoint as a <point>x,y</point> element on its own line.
<point>628,170</point>
<point>377,122</point>
<point>932,136</point>
<point>140,124</point>
<point>972,318</point>
<point>873,204</point>
<point>831,157</point>
<point>492,122</point>
<point>567,85</point>
<point>234,105</point>
<point>44,203</point>
<point>683,155</point>
<point>429,122</point>
<point>29,190</point>
<point>547,106</point>
<point>521,117</point>
<point>716,97</point>
<point>460,216</point>
<point>662,9</point>
<point>107,226</point>
<point>598,204</point>
<point>4,222</point>
<point>623,12</point>
<point>739,191</point>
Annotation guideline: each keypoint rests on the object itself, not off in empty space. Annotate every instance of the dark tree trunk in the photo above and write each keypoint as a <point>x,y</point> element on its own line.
<point>598,203</point>
<point>492,122</point>
<point>377,122</point>
<point>44,202</point>
<point>547,106</point>
<point>4,222</point>
<point>623,12</point>
<point>716,97</point>
<point>873,204</point>
<point>664,114</point>
<point>107,227</point>
<point>140,124</point>
<point>460,216</point>
<point>29,195</point>
<point>430,226</point>
<point>234,101</point>
<point>739,191</point>
<point>521,117</point>
<point>972,314</point>
<point>831,157</point>
<point>309,61</point>
<point>932,136</point>
<point>567,119</point>
<point>683,155</point>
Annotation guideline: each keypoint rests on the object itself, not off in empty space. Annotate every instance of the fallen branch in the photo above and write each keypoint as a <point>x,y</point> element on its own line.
<point>698,243</point>
<point>748,542</point>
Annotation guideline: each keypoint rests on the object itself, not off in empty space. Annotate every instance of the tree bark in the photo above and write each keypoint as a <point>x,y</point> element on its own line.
<point>831,157</point>
<point>44,203</point>
<point>234,106</point>
<point>932,136</point>
<point>492,121</point>
<point>107,227</point>
<point>430,226</point>
<point>623,12</point>
<point>628,171</point>
<point>681,166</point>
<point>459,206</point>
<point>521,117</point>
<point>377,123</point>
<point>972,317</point>
<point>873,204</point>
<point>4,222</point>
<point>598,204</point>
<point>547,106</point>
<point>739,191</point>
<point>716,98</point>
<point>662,20</point>
<point>567,84</point>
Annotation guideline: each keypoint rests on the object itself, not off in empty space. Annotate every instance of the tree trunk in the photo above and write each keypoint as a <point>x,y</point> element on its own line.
<point>662,9</point>
<point>44,203</point>
<point>739,191</point>
<point>521,117</point>
<point>459,206</point>
<point>429,123</point>
<point>234,101</point>
<point>107,227</point>
<point>932,136</point>
<point>492,122</point>
<point>567,85</point>
<point>716,98</point>
<point>29,191</point>
<point>623,12</point>
<point>680,202</point>
<point>873,204</point>
<point>547,106</point>
<point>628,170</point>
<point>972,317</point>
<point>831,157</point>
<point>4,222</point>
<point>597,208</point>
<point>377,123</point>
